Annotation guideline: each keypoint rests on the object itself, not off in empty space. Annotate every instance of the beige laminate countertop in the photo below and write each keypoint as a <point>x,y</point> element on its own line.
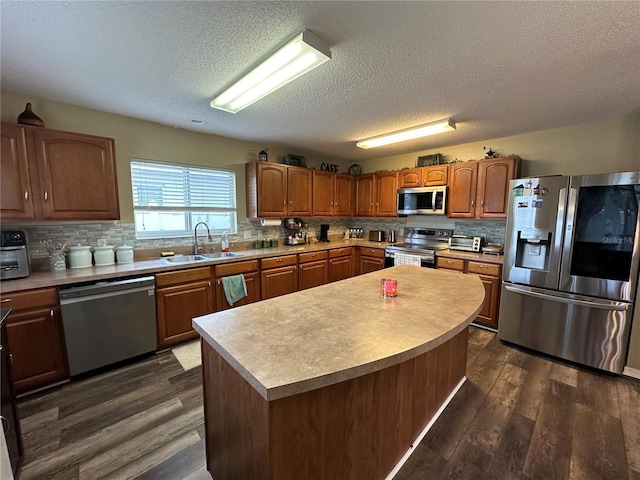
<point>478,257</point>
<point>339,331</point>
<point>150,267</point>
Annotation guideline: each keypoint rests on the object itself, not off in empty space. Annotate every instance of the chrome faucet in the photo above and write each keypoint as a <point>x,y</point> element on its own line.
<point>195,236</point>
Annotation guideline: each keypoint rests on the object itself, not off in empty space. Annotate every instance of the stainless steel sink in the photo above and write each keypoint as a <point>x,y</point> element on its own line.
<point>183,259</point>
<point>220,255</point>
<point>201,257</point>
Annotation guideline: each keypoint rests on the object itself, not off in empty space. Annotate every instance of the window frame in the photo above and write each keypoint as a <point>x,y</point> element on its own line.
<point>189,214</point>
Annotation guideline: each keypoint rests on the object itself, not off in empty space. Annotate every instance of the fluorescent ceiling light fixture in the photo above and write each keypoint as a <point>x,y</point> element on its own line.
<point>408,134</point>
<point>299,55</point>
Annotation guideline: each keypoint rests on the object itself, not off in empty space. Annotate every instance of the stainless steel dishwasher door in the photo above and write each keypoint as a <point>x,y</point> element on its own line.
<point>107,322</point>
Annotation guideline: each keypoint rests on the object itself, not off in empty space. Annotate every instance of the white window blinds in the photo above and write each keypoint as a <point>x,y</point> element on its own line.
<point>170,199</point>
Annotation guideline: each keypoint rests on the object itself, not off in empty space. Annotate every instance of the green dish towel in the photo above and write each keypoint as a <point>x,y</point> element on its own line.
<point>235,288</point>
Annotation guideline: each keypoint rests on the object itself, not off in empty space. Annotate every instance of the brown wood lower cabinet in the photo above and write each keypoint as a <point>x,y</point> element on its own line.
<point>250,271</point>
<point>181,296</point>
<point>36,339</point>
<point>490,274</point>
<point>313,269</point>
<point>371,259</point>
<point>341,263</point>
<point>355,429</point>
<point>278,276</point>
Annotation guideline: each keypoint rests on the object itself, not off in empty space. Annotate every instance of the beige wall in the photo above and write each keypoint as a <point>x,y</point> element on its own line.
<point>151,141</point>
<point>611,145</point>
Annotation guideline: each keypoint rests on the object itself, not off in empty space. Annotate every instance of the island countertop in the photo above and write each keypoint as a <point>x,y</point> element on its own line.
<point>321,336</point>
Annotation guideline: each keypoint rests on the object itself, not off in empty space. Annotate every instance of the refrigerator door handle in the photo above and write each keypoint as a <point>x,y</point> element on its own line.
<point>601,304</point>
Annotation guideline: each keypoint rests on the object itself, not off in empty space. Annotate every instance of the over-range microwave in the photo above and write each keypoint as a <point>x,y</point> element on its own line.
<point>422,201</point>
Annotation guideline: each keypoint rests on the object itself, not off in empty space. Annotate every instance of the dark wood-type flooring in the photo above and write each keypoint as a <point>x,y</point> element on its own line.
<point>519,415</point>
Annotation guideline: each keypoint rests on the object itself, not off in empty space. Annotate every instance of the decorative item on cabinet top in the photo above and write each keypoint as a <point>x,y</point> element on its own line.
<point>29,118</point>
<point>430,160</point>
<point>263,156</point>
<point>294,160</point>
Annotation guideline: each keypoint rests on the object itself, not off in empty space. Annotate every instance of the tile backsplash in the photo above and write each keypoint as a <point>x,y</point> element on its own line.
<point>116,233</point>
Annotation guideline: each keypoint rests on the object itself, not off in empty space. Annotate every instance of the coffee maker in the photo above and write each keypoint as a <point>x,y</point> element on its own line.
<point>324,232</point>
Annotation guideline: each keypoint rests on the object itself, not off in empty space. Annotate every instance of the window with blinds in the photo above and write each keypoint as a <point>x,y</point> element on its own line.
<point>169,200</point>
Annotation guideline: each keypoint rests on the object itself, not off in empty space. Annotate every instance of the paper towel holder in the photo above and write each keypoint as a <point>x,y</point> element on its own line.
<point>270,222</point>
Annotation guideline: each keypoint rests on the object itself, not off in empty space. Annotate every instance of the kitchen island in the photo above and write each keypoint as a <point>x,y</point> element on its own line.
<point>334,381</point>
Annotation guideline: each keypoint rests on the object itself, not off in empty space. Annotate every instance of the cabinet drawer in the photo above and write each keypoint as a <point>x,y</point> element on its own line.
<point>183,276</point>
<point>278,261</point>
<point>46,297</point>
<point>450,263</point>
<point>236,268</point>
<point>372,252</point>
<point>340,252</point>
<point>484,268</point>
<point>312,256</point>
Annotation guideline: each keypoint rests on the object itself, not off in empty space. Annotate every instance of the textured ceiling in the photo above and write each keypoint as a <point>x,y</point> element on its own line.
<point>496,68</point>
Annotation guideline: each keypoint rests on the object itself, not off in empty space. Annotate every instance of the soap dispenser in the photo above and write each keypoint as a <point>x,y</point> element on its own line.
<point>224,242</point>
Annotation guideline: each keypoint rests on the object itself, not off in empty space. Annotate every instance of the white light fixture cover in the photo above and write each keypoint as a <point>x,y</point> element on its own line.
<point>408,134</point>
<point>301,54</point>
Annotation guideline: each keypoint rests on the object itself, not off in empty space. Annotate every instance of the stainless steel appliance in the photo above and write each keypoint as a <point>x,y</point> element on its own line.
<point>571,267</point>
<point>421,244</point>
<point>465,243</point>
<point>107,322</point>
<point>14,260</point>
<point>422,201</point>
<point>376,235</point>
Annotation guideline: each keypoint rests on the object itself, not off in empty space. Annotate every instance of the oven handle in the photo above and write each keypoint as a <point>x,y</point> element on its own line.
<point>595,303</point>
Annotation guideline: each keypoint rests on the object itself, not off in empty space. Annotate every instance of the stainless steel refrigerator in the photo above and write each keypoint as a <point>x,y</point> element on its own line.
<point>572,250</point>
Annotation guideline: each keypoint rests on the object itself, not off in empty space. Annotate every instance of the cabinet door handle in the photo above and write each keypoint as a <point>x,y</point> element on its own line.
<point>218,282</point>
<point>482,203</point>
<point>300,267</point>
<point>51,312</point>
<point>473,203</point>
<point>5,300</point>
<point>449,262</point>
<point>26,195</point>
<point>278,260</point>
<point>209,284</point>
<point>46,195</point>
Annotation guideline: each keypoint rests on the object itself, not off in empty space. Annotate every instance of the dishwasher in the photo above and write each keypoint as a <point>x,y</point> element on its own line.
<point>107,322</point>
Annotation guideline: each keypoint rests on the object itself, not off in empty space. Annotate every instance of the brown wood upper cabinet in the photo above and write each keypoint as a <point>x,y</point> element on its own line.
<point>36,339</point>
<point>376,194</point>
<point>53,175</point>
<point>332,194</point>
<point>423,177</point>
<point>275,190</point>
<point>481,189</point>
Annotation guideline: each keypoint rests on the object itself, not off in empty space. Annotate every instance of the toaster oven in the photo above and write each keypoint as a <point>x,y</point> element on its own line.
<point>465,243</point>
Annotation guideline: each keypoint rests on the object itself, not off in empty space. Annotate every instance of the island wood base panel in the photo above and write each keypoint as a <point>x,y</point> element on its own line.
<point>355,429</point>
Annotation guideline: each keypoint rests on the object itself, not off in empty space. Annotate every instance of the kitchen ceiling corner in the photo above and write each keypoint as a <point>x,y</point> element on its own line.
<point>498,68</point>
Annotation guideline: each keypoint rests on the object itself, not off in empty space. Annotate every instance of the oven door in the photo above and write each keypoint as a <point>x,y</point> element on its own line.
<point>395,257</point>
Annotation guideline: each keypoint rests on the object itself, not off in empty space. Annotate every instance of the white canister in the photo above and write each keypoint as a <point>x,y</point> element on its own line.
<point>124,254</point>
<point>80,256</point>
<point>104,255</point>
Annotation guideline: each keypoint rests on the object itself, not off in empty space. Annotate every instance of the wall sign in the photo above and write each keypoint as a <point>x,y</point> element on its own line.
<point>328,167</point>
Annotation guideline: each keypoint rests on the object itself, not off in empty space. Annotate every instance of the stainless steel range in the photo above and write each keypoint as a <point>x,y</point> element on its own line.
<point>420,246</point>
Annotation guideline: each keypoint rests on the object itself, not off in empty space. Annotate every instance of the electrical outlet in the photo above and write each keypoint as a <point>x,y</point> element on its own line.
<point>247,234</point>
<point>259,234</point>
